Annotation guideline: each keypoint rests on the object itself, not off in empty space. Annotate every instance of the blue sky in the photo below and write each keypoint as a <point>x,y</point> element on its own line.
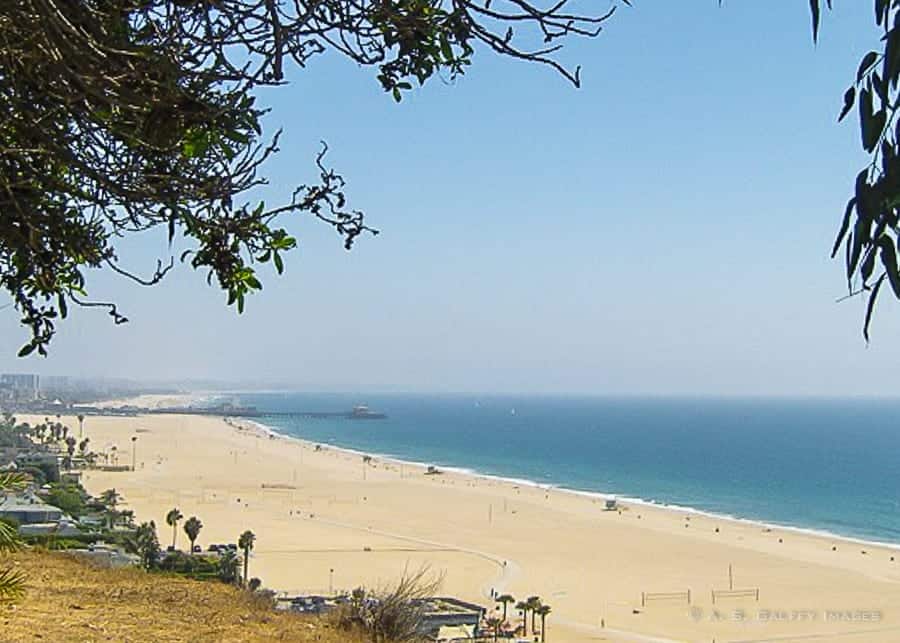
<point>664,229</point>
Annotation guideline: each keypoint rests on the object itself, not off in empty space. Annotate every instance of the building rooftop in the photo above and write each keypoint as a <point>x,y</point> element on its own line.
<point>24,503</point>
<point>447,605</point>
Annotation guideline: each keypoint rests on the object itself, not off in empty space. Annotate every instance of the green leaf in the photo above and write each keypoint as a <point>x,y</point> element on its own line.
<point>816,15</point>
<point>889,261</point>
<point>446,49</point>
<point>27,350</point>
<point>871,123</point>
<point>845,224</point>
<point>237,136</point>
<point>867,62</point>
<point>849,100</point>
<point>880,11</point>
<point>870,307</point>
<point>279,263</point>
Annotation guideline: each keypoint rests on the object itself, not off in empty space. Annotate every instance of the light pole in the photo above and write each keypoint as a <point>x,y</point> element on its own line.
<point>331,581</point>
<point>133,451</point>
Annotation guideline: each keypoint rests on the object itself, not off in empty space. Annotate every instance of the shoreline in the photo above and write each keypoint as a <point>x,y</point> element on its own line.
<point>323,517</point>
<point>599,495</point>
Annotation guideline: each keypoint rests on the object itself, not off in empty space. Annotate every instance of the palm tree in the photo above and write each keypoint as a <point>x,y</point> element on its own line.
<point>80,425</point>
<point>534,604</point>
<point>172,519</point>
<point>245,543</point>
<point>493,624</point>
<point>192,528</point>
<point>110,499</point>
<point>70,449</point>
<point>145,544</point>
<point>12,583</point>
<point>542,611</point>
<point>228,566</point>
<point>522,607</point>
<point>505,599</point>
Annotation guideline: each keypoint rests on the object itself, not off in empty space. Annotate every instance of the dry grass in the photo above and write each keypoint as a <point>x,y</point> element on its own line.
<point>67,600</point>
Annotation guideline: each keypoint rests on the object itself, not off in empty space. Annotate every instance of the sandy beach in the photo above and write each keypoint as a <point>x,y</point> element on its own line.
<point>315,511</point>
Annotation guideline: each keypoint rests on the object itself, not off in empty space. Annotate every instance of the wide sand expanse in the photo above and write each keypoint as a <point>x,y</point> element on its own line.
<point>326,520</point>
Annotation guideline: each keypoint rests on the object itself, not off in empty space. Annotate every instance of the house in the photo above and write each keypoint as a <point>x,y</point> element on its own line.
<point>62,529</point>
<point>105,556</point>
<point>27,509</point>
<point>306,604</point>
<point>31,456</point>
<point>450,619</point>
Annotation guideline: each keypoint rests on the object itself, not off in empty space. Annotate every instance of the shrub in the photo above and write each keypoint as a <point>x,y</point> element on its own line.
<point>67,497</point>
<point>392,613</point>
<point>36,474</point>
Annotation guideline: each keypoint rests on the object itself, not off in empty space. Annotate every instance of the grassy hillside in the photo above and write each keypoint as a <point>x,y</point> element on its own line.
<point>71,601</point>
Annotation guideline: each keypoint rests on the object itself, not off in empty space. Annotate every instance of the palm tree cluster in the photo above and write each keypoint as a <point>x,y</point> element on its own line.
<point>532,604</point>
<point>228,562</point>
<point>49,432</point>
<point>145,544</point>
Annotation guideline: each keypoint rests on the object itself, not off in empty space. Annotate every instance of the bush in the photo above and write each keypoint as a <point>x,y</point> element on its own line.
<point>50,541</point>
<point>36,474</point>
<point>67,497</point>
<point>189,565</point>
<point>51,471</point>
<point>391,613</point>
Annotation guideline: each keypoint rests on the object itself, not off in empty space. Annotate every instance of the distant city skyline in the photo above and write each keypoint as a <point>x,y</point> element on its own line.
<point>663,230</point>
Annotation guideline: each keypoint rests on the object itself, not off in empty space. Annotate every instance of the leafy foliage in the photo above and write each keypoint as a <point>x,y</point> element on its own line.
<point>870,230</point>
<point>145,544</point>
<point>12,583</point>
<point>68,497</point>
<point>391,613</point>
<point>228,567</point>
<point>118,117</point>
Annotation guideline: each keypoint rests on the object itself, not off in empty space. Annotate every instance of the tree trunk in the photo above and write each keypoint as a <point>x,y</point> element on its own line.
<point>246,562</point>
<point>174,533</point>
<point>543,628</point>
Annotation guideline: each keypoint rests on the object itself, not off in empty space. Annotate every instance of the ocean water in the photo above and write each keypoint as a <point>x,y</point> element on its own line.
<point>831,465</point>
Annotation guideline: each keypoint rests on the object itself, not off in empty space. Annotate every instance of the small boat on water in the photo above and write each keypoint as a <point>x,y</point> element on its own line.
<point>362,412</point>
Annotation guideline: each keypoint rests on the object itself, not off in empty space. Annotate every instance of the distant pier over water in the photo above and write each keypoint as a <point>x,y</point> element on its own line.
<point>360,412</point>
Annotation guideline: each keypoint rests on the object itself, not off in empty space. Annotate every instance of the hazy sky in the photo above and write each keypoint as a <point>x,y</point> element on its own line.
<point>664,229</point>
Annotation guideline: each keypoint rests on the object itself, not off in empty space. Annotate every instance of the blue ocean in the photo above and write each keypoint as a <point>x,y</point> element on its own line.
<point>824,465</point>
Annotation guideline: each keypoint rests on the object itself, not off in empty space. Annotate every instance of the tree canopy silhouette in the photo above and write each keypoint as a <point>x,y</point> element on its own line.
<point>869,234</point>
<point>121,116</point>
